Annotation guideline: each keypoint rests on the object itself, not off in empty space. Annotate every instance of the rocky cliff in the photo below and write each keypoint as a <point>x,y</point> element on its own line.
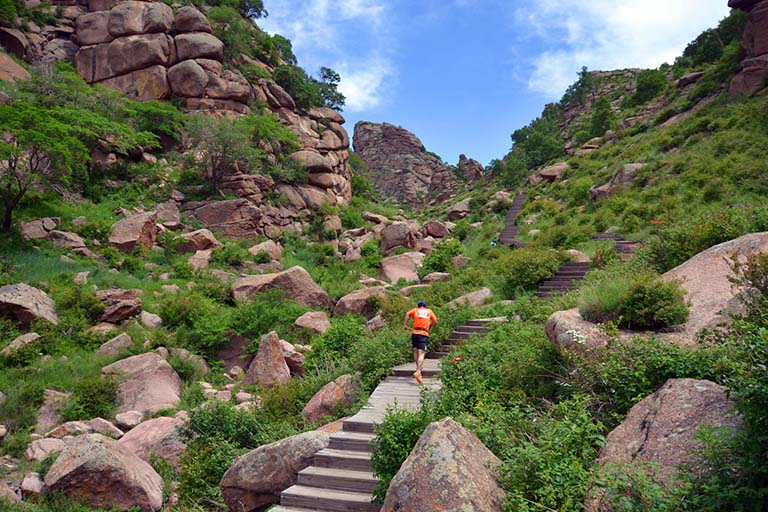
<point>754,68</point>
<point>402,169</point>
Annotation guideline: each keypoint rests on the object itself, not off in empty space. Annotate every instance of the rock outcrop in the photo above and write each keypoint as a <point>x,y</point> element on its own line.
<point>159,436</point>
<point>400,167</point>
<point>341,391</point>
<point>269,367</point>
<point>147,383</point>
<point>98,471</point>
<point>568,331</point>
<point>296,282</point>
<point>26,303</point>
<point>403,266</point>
<point>257,478</point>
<point>448,469</point>
<point>754,68</point>
<point>623,178</point>
<point>358,302</point>
<point>314,320</point>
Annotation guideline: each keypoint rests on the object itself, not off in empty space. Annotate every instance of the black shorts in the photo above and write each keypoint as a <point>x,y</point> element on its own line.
<point>419,341</point>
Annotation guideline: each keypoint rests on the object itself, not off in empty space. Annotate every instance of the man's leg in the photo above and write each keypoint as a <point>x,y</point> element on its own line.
<point>420,359</point>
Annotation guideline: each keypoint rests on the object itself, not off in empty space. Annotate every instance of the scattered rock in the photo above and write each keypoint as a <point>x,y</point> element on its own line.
<point>577,256</point>
<point>623,178</point>
<point>436,229</point>
<point>314,320</point>
<point>233,354</point>
<point>448,469</point>
<point>119,304</point>
<point>81,278</point>
<point>48,415</point>
<point>397,234</point>
<point>70,428</point>
<point>201,259</point>
<point>116,345</point>
<point>38,228</point>
<point>569,332</point>
<point>375,323</point>
<point>98,471</point>
<point>128,420</point>
<point>374,218</point>
<point>6,493</point>
<point>136,230</point>
<point>159,436</point>
<point>342,391</point>
<point>151,320</point>
<point>103,329</point>
<point>40,449</point>
<point>105,428</point>
<point>459,210</point>
<point>474,299</point>
<point>268,367</point>
<point>199,240</point>
<point>270,247</point>
<point>189,19</point>
<point>403,266</point>
<point>549,174</point>
<point>460,261</point>
<point>32,486</point>
<point>25,304</point>
<point>256,479</point>
<point>149,384</point>
<point>358,302</point>
<point>19,344</point>
<point>436,276</point>
<point>296,282</point>
<point>195,360</point>
<point>408,290</point>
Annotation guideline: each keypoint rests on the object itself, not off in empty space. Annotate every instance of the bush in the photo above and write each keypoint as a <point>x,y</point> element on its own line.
<point>266,312</point>
<point>440,259</point>
<point>653,304</point>
<point>92,397</point>
<point>524,269</point>
<point>7,13</point>
<point>81,301</point>
<point>650,83</point>
<point>337,343</point>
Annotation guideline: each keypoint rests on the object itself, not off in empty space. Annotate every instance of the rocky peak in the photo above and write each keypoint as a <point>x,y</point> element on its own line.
<point>399,165</point>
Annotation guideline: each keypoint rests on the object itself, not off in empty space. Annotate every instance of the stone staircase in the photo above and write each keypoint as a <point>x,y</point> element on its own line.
<point>571,273</point>
<point>508,234</point>
<point>341,478</point>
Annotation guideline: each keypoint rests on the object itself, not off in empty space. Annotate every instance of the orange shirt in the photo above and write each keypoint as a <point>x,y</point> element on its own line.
<point>422,320</point>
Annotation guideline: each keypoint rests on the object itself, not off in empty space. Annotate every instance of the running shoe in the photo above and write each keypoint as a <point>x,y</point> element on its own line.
<point>417,376</point>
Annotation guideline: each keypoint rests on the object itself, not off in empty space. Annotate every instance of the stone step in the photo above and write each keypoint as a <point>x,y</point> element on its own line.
<point>485,321</point>
<point>559,286</point>
<point>357,425</point>
<point>570,265</point>
<point>353,441</point>
<point>343,459</point>
<point>337,479</point>
<point>314,498</point>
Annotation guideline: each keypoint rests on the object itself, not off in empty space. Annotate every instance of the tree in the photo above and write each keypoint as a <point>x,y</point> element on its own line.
<point>650,83</point>
<point>602,117</point>
<point>328,86</point>
<point>36,149</point>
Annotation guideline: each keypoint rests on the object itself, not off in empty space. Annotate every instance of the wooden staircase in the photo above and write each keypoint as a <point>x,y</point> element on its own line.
<point>341,478</point>
<point>508,234</point>
<point>623,247</point>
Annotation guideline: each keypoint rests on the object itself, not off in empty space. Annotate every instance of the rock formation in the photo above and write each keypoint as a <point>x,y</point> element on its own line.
<point>754,68</point>
<point>400,167</point>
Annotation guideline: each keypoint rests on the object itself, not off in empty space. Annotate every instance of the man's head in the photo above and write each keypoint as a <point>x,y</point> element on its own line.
<point>422,304</point>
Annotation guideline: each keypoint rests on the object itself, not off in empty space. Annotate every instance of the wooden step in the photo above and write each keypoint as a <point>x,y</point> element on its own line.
<point>357,425</point>
<point>314,498</point>
<point>486,321</point>
<point>337,479</point>
<point>354,441</point>
<point>343,459</point>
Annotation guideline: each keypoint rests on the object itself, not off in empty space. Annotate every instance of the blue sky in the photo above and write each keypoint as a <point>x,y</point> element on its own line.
<point>464,74</point>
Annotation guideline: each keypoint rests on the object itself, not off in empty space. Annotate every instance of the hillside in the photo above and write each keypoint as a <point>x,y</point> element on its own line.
<point>201,293</point>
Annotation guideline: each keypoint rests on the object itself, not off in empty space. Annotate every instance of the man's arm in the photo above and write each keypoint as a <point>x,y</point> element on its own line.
<point>405,322</point>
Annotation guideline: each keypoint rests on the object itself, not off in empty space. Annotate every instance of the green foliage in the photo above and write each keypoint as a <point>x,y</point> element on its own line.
<point>202,466</point>
<point>371,253</point>
<point>524,269</point>
<point>92,397</point>
<point>650,83</point>
<point>723,70</point>
<point>265,312</point>
<point>337,343</point>
<point>540,141</point>
<point>602,117</point>
<point>7,13</point>
<point>580,90</point>
<point>440,259</point>
<point>201,324</point>
<point>710,44</point>
<point>82,301</point>
<point>308,91</point>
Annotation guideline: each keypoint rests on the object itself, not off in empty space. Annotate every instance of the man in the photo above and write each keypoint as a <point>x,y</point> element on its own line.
<point>423,320</point>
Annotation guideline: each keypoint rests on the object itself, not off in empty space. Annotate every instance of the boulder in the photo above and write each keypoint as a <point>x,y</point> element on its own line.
<point>314,320</point>
<point>140,85</point>
<point>459,210</point>
<point>577,256</point>
<point>201,259</point>
<point>268,367</point>
<point>167,212</point>
<point>119,304</point>
<point>342,391</point>
<point>188,357</point>
<point>20,343</point>
<point>661,429</point>
<point>256,479</point>
<point>296,282</point>
<point>133,53</point>
<point>375,218</point>
<point>98,471</point>
<point>48,415</point>
<point>6,493</point>
<point>294,359</point>
<point>358,302</point>
<point>569,332</point>
<point>116,345</point>
<point>70,428</point>
<point>41,449</point>
<point>11,72</point>
<point>25,304</point>
<point>92,28</point>
<point>151,320</point>
<point>474,299</point>
<point>436,276</point>
<point>128,420</point>
<point>234,353</point>
<point>105,428</point>
<point>402,266</point>
<point>274,249</point>
<point>189,19</point>
<point>199,240</point>
<point>375,323</point>
<point>147,383</point>
<point>554,172</point>
<point>188,78</point>
<point>705,278</point>
<point>448,469</point>
<point>133,231</point>
<point>38,228</point>
<point>397,234</point>
<point>132,17</point>
<point>32,487</point>
<point>159,436</point>
<point>199,45</point>
<point>436,229</point>
<point>407,291</point>
<point>623,178</point>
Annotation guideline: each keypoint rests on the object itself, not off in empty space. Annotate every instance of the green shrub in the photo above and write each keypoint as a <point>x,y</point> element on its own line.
<point>601,300</point>
<point>371,253</point>
<point>92,397</point>
<point>524,269</point>
<point>7,13</point>
<point>203,465</point>
<point>265,312</point>
<point>653,304</point>
<point>440,259</point>
<point>231,255</point>
<point>650,83</point>
<point>337,343</point>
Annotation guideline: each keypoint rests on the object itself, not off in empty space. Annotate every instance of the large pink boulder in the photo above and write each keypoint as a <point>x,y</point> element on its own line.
<point>660,430</point>
<point>268,368</point>
<point>98,471</point>
<point>342,391</point>
<point>141,85</point>
<point>359,302</point>
<point>147,383</point>
<point>189,19</point>
<point>270,247</point>
<point>199,45</point>
<point>403,266</point>
<point>314,320</point>
<point>397,234</point>
<point>199,240</point>
<point>705,278</point>
<point>459,210</point>
<point>188,78</point>
<point>132,17</point>
<point>48,415</point>
<point>473,299</point>
<point>92,28</point>
<point>132,53</point>
<point>296,282</point>
<point>159,436</point>
<point>256,479</point>
<point>568,331</point>
<point>137,230</point>
<point>448,469</point>
<point>119,304</point>
<point>25,304</point>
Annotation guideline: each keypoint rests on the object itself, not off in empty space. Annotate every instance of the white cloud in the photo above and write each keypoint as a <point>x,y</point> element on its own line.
<point>606,34</point>
<point>350,36</point>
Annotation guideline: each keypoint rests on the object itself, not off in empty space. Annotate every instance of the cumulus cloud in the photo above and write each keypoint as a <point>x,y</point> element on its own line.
<point>350,36</point>
<point>605,34</point>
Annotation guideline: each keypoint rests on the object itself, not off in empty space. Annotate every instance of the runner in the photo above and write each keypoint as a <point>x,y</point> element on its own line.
<point>423,320</point>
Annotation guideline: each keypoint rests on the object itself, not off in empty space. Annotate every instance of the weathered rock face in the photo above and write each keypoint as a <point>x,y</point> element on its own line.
<point>397,234</point>
<point>705,278</point>
<point>159,436</point>
<point>448,469</point>
<point>119,304</point>
<point>147,383</point>
<point>473,299</point>
<point>754,67</point>
<point>402,266</point>
<point>268,367</point>
<point>11,72</point>
<point>296,282</point>
<point>470,168</point>
<point>343,390</point>
<point>98,471</point>
<point>550,174</point>
<point>25,303</point>
<point>660,429</point>
<point>623,178</point>
<point>257,478</point>
<point>137,230</point>
<point>314,320</point>
<point>569,332</point>
<point>400,167</point>
<point>358,302</point>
